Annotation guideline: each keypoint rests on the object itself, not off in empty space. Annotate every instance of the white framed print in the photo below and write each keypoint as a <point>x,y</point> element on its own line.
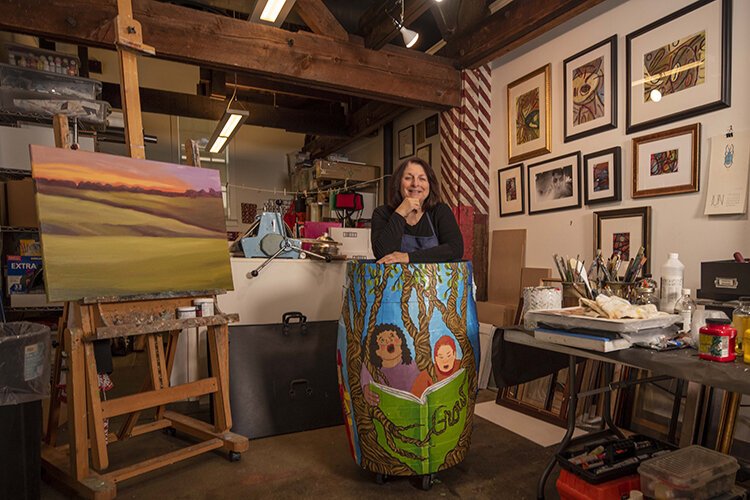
<point>555,184</point>
<point>602,176</point>
<point>667,162</point>
<point>510,190</point>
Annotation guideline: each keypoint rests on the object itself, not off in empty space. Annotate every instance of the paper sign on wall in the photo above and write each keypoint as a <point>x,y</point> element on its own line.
<point>727,174</point>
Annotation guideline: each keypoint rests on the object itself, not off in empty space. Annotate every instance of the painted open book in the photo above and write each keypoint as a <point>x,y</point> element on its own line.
<point>425,429</point>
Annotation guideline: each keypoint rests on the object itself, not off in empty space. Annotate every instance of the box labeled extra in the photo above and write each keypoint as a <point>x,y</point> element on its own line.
<point>355,242</point>
<point>20,271</point>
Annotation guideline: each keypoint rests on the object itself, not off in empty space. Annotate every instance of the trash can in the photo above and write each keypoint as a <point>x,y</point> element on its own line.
<point>408,352</point>
<point>24,382</point>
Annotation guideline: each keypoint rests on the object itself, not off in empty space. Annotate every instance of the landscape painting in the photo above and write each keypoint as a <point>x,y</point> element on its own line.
<point>117,226</point>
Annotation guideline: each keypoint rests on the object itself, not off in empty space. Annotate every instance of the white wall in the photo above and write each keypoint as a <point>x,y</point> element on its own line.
<point>412,117</point>
<point>678,223</point>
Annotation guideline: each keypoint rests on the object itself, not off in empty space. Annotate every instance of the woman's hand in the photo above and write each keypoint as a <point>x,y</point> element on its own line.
<point>407,206</point>
<point>395,258</point>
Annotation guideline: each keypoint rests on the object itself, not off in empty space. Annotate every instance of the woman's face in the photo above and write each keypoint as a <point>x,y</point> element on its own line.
<point>414,183</point>
<point>444,358</point>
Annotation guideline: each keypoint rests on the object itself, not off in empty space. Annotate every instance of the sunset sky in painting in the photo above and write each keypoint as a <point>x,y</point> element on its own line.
<point>82,166</point>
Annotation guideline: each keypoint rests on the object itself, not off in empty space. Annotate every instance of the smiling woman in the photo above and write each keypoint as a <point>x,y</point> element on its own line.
<point>416,226</point>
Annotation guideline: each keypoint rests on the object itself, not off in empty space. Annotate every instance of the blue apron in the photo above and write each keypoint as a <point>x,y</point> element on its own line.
<point>411,243</point>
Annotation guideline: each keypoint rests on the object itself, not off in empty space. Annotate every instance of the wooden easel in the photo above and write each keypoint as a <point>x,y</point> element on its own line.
<point>91,319</point>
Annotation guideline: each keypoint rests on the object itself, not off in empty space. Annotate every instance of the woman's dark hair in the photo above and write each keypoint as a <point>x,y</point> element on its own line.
<point>373,347</point>
<point>432,199</point>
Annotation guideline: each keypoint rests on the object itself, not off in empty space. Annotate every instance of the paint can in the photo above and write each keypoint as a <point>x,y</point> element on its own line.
<point>204,307</point>
<point>186,312</point>
<point>717,340</point>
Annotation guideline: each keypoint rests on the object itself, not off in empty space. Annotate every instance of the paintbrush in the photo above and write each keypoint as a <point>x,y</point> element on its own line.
<point>557,265</point>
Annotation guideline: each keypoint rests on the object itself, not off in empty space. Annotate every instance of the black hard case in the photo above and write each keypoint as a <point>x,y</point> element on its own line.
<point>724,280</point>
<point>283,377</point>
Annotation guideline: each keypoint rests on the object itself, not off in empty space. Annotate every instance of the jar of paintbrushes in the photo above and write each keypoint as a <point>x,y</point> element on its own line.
<point>574,278</point>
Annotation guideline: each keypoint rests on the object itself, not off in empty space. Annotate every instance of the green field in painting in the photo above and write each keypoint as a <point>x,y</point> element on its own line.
<point>75,216</point>
<point>88,266</point>
<point>204,211</point>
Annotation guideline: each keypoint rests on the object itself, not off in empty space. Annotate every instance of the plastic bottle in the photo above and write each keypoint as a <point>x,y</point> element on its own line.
<point>671,282</point>
<point>741,321</point>
<point>685,307</point>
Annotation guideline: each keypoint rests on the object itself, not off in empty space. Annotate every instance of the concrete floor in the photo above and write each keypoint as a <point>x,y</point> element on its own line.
<point>317,464</point>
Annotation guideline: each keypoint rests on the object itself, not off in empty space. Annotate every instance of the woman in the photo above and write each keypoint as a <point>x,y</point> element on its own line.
<point>446,364</point>
<point>416,226</point>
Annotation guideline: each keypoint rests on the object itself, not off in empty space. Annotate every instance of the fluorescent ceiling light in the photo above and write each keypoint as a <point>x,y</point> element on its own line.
<point>272,10</point>
<point>225,129</point>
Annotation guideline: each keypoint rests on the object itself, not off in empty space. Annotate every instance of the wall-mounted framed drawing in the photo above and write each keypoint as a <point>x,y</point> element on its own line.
<point>510,190</point>
<point>431,125</point>
<point>602,176</point>
<point>623,231</point>
<point>680,65</point>
<point>555,184</point>
<point>667,162</point>
<point>529,115</point>
<point>406,142</point>
<point>590,90</point>
<point>425,153</point>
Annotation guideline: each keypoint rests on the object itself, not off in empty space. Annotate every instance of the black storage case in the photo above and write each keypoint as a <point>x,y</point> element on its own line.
<point>283,377</point>
<point>724,280</point>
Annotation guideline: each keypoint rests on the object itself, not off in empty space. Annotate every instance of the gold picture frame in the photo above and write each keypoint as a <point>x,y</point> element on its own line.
<point>667,162</point>
<point>530,115</point>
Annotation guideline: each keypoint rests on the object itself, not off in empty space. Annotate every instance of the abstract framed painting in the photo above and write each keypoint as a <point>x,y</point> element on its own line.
<point>555,184</point>
<point>623,231</point>
<point>116,226</point>
<point>510,190</point>
<point>679,66</point>
<point>590,90</point>
<point>667,162</point>
<point>602,176</point>
<point>529,115</point>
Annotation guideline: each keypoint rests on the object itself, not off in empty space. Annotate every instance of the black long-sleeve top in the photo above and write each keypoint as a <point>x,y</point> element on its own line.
<point>388,227</point>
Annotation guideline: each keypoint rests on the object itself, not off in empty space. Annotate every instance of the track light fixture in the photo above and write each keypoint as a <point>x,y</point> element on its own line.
<point>410,36</point>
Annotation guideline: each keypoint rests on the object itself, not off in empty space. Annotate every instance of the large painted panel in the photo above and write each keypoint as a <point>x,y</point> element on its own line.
<point>408,354</point>
<point>116,226</point>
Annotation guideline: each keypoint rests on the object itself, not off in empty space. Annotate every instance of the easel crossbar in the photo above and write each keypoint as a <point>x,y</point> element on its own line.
<point>158,397</point>
<point>110,332</point>
<point>162,460</point>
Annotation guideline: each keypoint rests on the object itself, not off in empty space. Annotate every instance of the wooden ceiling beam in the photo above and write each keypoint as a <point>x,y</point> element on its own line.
<point>262,115</point>
<point>193,37</point>
<point>364,121</point>
<point>319,19</point>
<point>377,26</point>
<point>511,27</point>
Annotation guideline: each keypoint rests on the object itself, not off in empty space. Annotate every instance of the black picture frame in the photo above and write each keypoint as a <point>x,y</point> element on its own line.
<point>431,126</point>
<point>514,174</point>
<point>701,98</point>
<point>406,142</point>
<point>607,73</point>
<point>613,191</point>
<point>606,224</point>
<point>557,193</point>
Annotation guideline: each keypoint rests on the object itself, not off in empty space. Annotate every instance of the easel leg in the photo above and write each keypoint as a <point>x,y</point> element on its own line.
<point>218,338</point>
<point>99,454</point>
<point>174,336</point>
<point>78,436</point>
<point>53,418</point>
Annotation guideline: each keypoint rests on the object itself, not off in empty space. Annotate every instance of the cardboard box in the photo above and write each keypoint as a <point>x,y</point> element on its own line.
<point>21,203</point>
<point>19,271</point>
<point>32,300</point>
<point>355,242</point>
<point>336,170</point>
<point>496,314</point>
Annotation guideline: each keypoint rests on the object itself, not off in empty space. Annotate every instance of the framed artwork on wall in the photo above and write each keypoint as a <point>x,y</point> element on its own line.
<point>406,142</point>
<point>425,153</point>
<point>431,126</point>
<point>602,176</point>
<point>420,134</point>
<point>623,231</point>
<point>667,162</point>
<point>510,190</point>
<point>529,115</point>
<point>590,90</point>
<point>555,184</point>
<point>680,65</point>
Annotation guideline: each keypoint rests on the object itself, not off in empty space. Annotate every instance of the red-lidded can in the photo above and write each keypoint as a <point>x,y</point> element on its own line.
<point>717,340</point>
